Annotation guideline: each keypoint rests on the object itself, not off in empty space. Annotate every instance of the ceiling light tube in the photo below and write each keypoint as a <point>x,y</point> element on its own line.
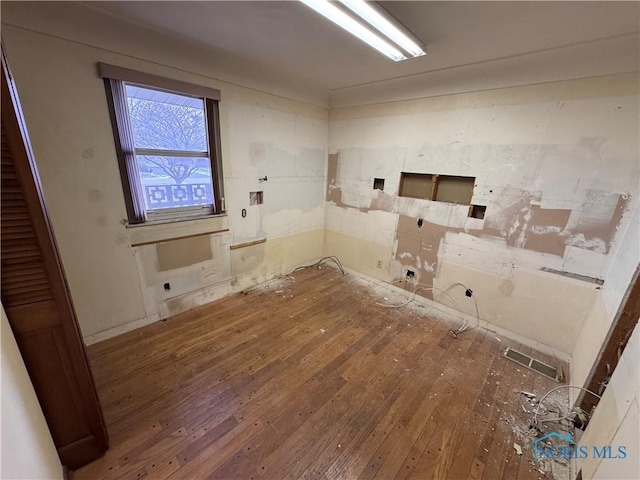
<point>384,26</point>
<point>337,16</point>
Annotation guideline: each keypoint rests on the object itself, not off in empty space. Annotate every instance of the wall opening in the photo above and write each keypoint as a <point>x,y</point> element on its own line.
<point>439,188</point>
<point>256,198</point>
<point>477,211</point>
<point>454,189</point>
<point>416,185</point>
<point>378,183</point>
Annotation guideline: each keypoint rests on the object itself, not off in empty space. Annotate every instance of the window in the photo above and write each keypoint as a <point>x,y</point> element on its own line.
<point>440,188</point>
<point>168,146</point>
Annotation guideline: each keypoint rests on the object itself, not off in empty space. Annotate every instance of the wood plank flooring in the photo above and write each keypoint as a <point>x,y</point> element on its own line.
<point>308,378</point>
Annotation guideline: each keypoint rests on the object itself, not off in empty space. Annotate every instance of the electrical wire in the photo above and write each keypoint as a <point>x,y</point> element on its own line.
<point>466,289</point>
<point>535,413</point>
<point>333,258</point>
<point>465,325</point>
<point>428,287</point>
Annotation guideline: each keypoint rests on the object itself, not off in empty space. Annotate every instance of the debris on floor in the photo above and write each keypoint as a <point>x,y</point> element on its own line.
<point>517,448</point>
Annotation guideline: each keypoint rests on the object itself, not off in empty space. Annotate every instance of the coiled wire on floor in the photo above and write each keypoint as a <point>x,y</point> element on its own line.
<point>332,258</point>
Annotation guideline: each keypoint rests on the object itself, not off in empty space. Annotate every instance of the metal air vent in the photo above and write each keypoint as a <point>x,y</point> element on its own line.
<point>531,363</point>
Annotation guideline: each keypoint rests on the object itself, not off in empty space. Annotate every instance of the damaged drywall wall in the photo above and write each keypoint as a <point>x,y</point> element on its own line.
<point>116,274</point>
<point>620,270</point>
<point>556,181</point>
<point>167,272</point>
<point>515,218</point>
<point>283,155</point>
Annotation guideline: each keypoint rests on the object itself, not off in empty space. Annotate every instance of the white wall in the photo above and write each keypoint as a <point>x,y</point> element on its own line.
<point>115,282</point>
<point>620,270</point>
<point>556,165</point>
<point>27,448</point>
<point>616,419</point>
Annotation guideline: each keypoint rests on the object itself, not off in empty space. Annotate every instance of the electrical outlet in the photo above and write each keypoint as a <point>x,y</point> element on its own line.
<point>410,274</point>
<point>379,264</point>
<point>167,286</point>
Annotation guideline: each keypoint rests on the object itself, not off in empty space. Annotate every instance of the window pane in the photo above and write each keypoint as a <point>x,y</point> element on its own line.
<point>169,182</point>
<point>165,120</point>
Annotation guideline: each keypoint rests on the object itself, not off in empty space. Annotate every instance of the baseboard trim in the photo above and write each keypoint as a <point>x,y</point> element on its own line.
<point>453,315</point>
<point>120,329</point>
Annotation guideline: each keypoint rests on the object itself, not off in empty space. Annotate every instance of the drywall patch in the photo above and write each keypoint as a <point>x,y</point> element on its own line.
<point>546,230</point>
<point>547,220</point>
<point>334,193</point>
<point>523,223</point>
<point>417,248</point>
<point>183,252</point>
<point>595,225</point>
<point>511,207</point>
<point>383,201</point>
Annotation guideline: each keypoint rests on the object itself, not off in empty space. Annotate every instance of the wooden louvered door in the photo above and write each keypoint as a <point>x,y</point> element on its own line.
<point>36,300</point>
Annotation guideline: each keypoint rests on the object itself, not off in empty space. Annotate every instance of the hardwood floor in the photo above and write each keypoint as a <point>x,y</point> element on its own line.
<point>308,378</point>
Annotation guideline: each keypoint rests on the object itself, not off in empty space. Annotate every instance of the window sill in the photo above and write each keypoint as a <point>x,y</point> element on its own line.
<point>162,221</point>
<point>165,230</point>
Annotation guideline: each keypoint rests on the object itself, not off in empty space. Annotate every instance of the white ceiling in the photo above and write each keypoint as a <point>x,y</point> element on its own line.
<point>517,42</point>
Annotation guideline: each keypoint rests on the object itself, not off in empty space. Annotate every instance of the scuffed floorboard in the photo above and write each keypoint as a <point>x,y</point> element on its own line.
<point>306,377</point>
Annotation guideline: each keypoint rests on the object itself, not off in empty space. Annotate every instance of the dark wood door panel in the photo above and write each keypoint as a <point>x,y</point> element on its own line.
<point>23,275</point>
<point>35,318</point>
<point>45,356</point>
<point>37,302</point>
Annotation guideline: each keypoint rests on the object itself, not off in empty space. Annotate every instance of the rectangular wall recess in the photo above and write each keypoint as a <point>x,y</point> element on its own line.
<point>378,183</point>
<point>256,198</point>
<point>439,188</point>
<point>477,211</point>
<point>452,189</point>
<point>416,185</point>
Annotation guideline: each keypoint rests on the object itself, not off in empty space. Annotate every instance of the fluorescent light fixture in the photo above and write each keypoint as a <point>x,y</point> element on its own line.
<point>337,16</point>
<point>376,20</point>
